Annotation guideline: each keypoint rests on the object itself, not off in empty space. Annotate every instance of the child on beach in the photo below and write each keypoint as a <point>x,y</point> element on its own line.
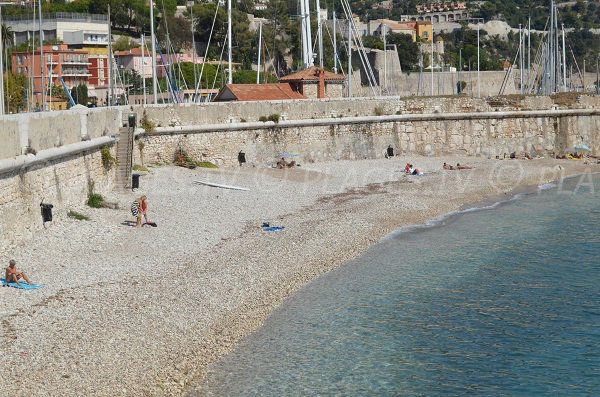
<point>12,275</point>
<point>139,208</point>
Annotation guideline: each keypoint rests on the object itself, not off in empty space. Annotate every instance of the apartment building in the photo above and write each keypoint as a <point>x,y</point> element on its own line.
<point>59,62</point>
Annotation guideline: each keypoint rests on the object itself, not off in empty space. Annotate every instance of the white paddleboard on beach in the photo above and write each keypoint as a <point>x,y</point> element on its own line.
<point>221,186</point>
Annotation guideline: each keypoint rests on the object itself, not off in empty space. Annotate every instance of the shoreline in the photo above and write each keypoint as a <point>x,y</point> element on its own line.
<point>158,305</point>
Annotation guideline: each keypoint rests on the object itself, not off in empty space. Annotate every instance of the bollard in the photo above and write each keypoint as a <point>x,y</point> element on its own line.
<point>135,181</point>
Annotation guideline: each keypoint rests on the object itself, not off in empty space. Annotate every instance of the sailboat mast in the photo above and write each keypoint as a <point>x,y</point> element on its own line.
<point>319,33</point>
<point>153,39</point>
<point>384,27</point>
<point>193,44</point>
<point>259,48</point>
<point>529,55</point>
<point>144,70</point>
<point>42,62</point>
<point>230,76</point>
<point>110,63</point>
<point>349,59</point>
<point>335,55</point>
<point>564,60</point>
<point>1,67</point>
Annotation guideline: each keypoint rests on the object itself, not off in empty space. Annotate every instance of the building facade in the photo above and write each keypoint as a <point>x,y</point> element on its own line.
<point>70,28</point>
<point>60,62</point>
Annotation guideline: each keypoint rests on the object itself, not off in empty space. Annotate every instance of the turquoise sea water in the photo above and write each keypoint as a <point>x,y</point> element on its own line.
<point>503,301</point>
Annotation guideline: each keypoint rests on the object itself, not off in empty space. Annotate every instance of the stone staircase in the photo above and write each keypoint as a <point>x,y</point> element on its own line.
<point>125,159</point>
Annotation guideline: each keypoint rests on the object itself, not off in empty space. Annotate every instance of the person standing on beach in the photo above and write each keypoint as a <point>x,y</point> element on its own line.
<point>12,275</point>
<point>139,208</point>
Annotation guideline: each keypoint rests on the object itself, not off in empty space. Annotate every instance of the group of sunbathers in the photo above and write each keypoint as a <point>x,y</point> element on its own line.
<point>283,164</point>
<point>410,170</point>
<point>456,167</point>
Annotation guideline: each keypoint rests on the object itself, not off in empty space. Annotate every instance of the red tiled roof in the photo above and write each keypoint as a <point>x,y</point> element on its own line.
<point>260,92</point>
<point>137,51</point>
<point>310,74</point>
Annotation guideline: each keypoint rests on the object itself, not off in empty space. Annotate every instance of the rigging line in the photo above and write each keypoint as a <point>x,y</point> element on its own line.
<point>172,90</point>
<point>535,79</point>
<point>179,78</point>
<point>169,69</point>
<point>206,51</point>
<point>509,72</point>
<point>220,62</point>
<point>360,47</point>
<point>331,41</point>
<point>577,66</point>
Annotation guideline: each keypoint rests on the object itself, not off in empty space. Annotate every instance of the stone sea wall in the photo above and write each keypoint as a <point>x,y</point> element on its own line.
<point>350,129</point>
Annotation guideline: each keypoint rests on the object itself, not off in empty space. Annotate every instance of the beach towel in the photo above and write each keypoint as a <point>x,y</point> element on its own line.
<point>23,285</point>
<point>273,228</point>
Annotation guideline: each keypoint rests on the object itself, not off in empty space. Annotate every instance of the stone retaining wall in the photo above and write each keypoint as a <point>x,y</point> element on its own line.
<point>63,182</point>
<point>478,134</point>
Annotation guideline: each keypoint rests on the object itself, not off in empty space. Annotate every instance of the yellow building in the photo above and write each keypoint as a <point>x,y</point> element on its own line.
<point>422,30</point>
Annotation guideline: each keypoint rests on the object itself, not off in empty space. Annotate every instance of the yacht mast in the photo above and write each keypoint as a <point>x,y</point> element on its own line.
<point>230,76</point>
<point>153,39</point>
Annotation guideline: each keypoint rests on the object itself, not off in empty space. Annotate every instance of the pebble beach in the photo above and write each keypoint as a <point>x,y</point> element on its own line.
<point>128,311</point>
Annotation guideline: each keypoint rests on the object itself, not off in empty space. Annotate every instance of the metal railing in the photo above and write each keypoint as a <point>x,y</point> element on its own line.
<point>60,16</point>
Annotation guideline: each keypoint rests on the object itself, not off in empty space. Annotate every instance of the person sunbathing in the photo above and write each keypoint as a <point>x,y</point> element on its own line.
<point>13,276</point>
<point>463,167</point>
<point>447,167</point>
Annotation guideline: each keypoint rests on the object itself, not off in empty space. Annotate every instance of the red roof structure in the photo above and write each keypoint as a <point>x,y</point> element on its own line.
<point>313,82</point>
<point>257,92</point>
<point>312,74</point>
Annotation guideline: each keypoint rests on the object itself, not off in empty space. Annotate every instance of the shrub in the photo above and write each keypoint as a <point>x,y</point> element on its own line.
<point>30,150</point>
<point>95,200</point>
<point>77,215</point>
<point>147,124</point>
<point>274,117</point>
<point>206,164</point>
<point>108,161</point>
<point>264,119</point>
<point>378,111</point>
<point>138,167</point>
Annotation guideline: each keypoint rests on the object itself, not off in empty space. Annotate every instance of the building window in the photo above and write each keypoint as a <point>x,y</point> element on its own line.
<point>425,35</point>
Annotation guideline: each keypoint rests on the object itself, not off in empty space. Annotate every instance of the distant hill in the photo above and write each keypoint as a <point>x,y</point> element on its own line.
<point>574,14</point>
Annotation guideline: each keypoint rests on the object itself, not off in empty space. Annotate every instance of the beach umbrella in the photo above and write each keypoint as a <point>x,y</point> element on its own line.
<point>582,147</point>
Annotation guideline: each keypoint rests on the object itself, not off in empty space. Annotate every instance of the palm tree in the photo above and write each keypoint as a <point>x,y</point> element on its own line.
<point>7,36</point>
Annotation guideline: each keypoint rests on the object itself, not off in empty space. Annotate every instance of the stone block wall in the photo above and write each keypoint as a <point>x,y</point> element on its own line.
<point>63,182</point>
<point>328,139</point>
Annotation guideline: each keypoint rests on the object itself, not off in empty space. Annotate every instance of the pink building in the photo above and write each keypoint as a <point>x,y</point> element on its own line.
<point>132,60</point>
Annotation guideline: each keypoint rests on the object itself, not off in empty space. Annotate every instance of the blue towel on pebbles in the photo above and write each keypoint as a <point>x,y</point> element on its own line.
<point>273,228</point>
<point>23,285</point>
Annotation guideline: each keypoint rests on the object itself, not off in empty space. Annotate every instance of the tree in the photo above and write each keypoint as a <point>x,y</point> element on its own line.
<point>408,50</point>
<point>204,14</point>
<point>372,42</point>
<point>278,36</point>
<point>7,36</point>
<point>14,94</point>
<point>124,43</point>
<point>80,94</point>
<point>180,33</point>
